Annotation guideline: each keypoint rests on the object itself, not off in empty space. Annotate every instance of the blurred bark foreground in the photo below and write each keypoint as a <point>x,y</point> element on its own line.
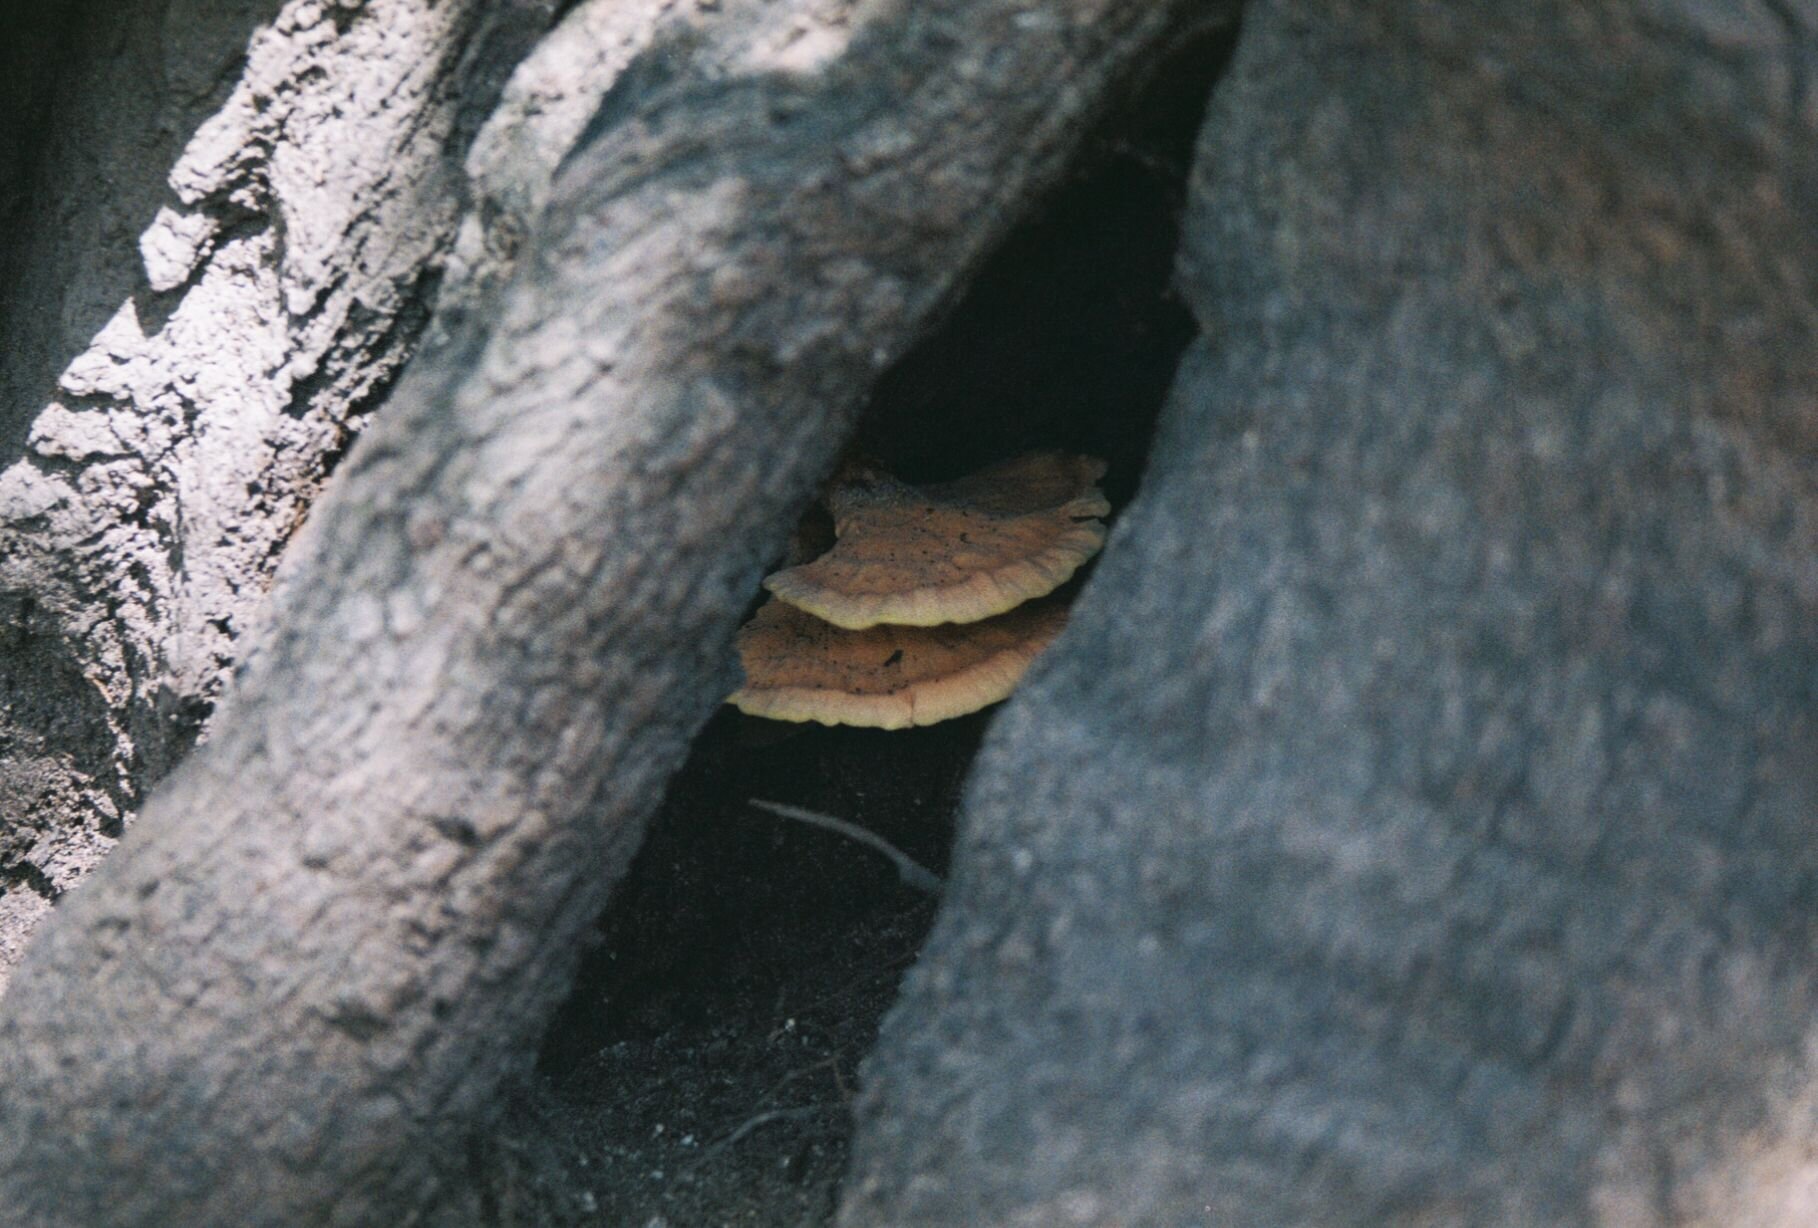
<point>1415,824</point>
<point>340,924</point>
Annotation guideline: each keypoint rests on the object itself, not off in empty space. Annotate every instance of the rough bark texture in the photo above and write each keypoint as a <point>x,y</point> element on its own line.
<point>344,921</point>
<point>544,108</point>
<point>1415,823</point>
<point>225,219</point>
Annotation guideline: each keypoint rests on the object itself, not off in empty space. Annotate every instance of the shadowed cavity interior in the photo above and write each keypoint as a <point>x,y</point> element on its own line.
<point>703,1068</point>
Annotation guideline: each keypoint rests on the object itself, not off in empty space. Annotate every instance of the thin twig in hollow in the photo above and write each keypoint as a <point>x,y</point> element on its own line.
<point>764,1119</point>
<point>911,872</point>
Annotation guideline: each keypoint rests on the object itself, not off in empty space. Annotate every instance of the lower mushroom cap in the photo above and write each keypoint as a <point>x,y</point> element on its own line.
<point>798,668</point>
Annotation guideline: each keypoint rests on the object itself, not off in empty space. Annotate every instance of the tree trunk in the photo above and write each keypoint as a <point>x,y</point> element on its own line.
<point>1414,824</point>
<point>1412,827</point>
<point>220,253</point>
<point>344,921</point>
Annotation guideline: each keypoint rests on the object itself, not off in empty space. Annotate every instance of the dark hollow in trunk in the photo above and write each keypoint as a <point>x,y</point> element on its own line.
<point>746,960</point>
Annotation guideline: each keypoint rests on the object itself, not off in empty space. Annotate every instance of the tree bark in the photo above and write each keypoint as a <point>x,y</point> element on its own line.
<point>345,920</point>
<point>224,224</point>
<point>1414,824</point>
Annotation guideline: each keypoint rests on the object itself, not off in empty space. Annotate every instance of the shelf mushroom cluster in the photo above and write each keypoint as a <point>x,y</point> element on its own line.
<point>931,602</point>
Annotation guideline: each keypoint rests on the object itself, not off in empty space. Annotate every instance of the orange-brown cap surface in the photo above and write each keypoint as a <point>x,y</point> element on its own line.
<point>954,552</point>
<point>798,668</point>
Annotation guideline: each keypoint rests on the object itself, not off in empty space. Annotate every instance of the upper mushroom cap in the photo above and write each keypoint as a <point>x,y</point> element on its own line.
<point>953,552</point>
<point>798,668</point>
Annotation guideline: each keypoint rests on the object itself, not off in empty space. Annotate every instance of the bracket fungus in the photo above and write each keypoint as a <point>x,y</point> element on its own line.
<point>955,552</point>
<point>798,668</point>
<point>932,601</point>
